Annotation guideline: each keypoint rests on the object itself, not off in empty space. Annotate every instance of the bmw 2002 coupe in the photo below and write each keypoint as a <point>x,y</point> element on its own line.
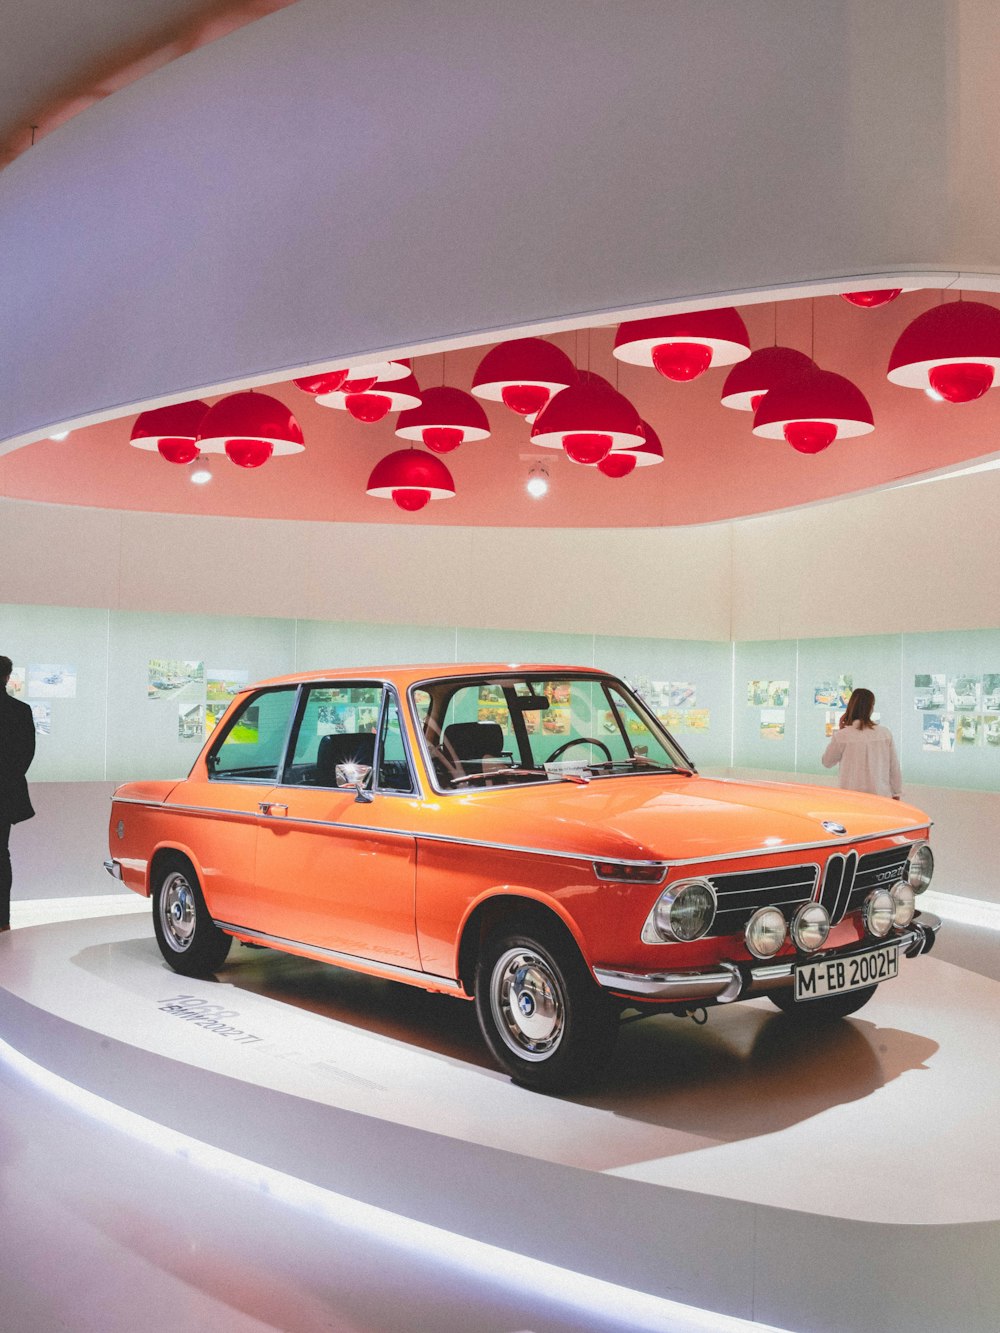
<point>526,837</point>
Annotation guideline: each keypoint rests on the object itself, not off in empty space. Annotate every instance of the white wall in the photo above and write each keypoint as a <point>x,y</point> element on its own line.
<point>668,583</point>
<point>381,174</point>
<point>924,557</point>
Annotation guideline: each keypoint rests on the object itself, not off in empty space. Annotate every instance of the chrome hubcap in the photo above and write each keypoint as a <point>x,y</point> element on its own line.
<point>177,911</point>
<point>527,1004</point>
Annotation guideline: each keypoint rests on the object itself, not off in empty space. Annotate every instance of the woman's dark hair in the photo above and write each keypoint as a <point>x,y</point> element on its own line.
<point>859,708</point>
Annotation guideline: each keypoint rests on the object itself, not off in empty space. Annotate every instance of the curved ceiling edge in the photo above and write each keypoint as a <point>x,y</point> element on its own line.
<point>295,190</point>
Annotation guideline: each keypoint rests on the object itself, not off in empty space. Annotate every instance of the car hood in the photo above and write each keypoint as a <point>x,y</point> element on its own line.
<point>671,817</point>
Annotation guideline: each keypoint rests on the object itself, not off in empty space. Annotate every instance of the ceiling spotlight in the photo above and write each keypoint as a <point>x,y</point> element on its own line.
<point>201,472</point>
<point>60,436</point>
<point>537,484</point>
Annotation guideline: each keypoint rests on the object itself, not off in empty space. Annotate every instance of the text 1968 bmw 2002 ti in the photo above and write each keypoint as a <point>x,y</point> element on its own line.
<point>527,837</point>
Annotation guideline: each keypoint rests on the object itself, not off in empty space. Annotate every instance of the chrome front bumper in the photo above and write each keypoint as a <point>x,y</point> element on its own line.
<point>114,869</point>
<point>725,982</point>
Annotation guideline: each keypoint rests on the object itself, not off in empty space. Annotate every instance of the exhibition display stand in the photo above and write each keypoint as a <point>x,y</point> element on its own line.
<point>803,1176</point>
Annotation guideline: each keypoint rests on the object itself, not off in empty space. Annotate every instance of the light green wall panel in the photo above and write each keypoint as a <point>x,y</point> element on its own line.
<point>74,749</point>
<point>871,662</point>
<point>111,729</point>
<point>320,644</point>
<point>705,667</point>
<point>753,747</point>
<point>974,763</point>
<point>143,739</point>
<point>501,645</point>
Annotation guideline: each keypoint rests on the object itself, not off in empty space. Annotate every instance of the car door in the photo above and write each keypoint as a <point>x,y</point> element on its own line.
<point>336,863</point>
<point>221,808</point>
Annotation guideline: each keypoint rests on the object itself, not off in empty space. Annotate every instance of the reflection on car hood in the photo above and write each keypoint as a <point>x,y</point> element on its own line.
<point>671,817</point>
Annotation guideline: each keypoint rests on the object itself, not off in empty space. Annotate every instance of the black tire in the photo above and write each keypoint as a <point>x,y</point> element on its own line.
<point>189,940</point>
<point>542,1014</point>
<point>827,1009</point>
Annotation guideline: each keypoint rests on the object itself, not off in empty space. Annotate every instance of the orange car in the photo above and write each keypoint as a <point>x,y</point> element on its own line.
<point>370,819</point>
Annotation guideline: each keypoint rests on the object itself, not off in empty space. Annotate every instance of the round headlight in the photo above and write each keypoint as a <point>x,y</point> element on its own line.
<point>765,932</point>
<point>880,911</point>
<point>810,927</point>
<point>919,866</point>
<point>903,897</point>
<point>685,911</point>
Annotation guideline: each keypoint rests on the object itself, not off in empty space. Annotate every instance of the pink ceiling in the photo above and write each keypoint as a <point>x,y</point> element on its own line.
<point>714,467</point>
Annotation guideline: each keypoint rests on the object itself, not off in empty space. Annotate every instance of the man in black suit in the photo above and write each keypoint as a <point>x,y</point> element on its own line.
<point>17,749</point>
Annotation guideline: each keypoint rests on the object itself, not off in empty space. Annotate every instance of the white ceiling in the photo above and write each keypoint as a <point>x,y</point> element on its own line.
<point>48,46</point>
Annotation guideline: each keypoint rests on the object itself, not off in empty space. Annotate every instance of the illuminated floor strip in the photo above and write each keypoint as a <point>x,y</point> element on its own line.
<point>964,911</point>
<point>533,1278</point>
<point>43,911</point>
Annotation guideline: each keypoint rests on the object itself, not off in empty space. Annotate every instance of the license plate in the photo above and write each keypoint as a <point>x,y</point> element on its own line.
<point>834,976</point>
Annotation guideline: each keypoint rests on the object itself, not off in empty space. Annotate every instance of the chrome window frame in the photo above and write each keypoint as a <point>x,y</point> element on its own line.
<point>385,688</point>
<point>600,678</point>
<point>216,744</point>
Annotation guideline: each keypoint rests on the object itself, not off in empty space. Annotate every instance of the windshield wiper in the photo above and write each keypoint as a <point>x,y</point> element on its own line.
<point>578,778</point>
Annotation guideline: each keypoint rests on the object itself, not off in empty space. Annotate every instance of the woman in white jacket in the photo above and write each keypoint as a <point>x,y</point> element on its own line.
<point>865,750</point>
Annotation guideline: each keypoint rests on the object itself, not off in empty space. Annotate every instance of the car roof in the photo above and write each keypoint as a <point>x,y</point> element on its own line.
<point>403,676</point>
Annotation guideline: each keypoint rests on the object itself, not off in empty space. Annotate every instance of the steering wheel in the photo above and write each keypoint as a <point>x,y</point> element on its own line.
<point>579,740</point>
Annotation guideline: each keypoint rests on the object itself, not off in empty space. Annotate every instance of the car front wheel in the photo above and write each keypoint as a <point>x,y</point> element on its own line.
<point>543,1016</point>
<point>830,1007</point>
<point>188,938</point>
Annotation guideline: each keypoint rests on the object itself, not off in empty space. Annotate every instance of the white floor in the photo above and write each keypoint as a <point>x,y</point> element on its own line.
<point>761,1123</point>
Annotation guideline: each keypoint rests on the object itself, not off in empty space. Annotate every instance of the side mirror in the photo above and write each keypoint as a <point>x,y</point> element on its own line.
<point>355,775</point>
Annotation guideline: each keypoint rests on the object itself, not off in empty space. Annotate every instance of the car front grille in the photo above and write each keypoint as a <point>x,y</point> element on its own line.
<point>846,881</point>
<point>877,870</point>
<point>740,894</point>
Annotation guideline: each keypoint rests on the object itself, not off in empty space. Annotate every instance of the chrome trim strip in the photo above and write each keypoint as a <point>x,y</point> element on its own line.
<point>512,847</point>
<point>113,868</point>
<point>692,985</point>
<point>798,846</point>
<point>317,951</point>
<point>712,983</point>
<point>762,977</point>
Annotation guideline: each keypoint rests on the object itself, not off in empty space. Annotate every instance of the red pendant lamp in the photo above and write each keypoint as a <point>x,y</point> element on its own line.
<point>445,419</point>
<point>682,347</point>
<point>172,431</point>
<point>625,461</point>
<point>371,400</point>
<point>249,427</point>
<point>329,381</point>
<point>523,374</point>
<point>410,479</point>
<point>873,299</point>
<point>588,420</point>
<point>763,370</point>
<point>811,409</point>
<point>952,349</point>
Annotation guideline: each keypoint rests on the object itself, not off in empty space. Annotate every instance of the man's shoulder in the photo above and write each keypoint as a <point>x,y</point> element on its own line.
<point>14,704</point>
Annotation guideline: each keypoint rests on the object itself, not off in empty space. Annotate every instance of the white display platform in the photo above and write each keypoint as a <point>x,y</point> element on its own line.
<point>810,1180</point>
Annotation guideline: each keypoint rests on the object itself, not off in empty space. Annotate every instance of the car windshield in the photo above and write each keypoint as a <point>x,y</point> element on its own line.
<point>502,730</point>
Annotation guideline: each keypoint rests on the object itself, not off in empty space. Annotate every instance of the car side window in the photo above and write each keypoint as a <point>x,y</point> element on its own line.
<point>337,727</point>
<point>393,766</point>
<point>253,746</point>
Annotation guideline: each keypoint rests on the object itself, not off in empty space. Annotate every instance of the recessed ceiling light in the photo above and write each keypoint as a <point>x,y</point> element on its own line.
<point>537,484</point>
<point>201,473</point>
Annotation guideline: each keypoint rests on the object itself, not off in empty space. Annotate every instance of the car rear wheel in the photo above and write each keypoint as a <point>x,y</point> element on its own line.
<point>188,938</point>
<point>544,1018</point>
<point>830,1007</point>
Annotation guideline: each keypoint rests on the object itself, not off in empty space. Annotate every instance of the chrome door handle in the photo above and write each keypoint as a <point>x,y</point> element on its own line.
<point>270,808</point>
